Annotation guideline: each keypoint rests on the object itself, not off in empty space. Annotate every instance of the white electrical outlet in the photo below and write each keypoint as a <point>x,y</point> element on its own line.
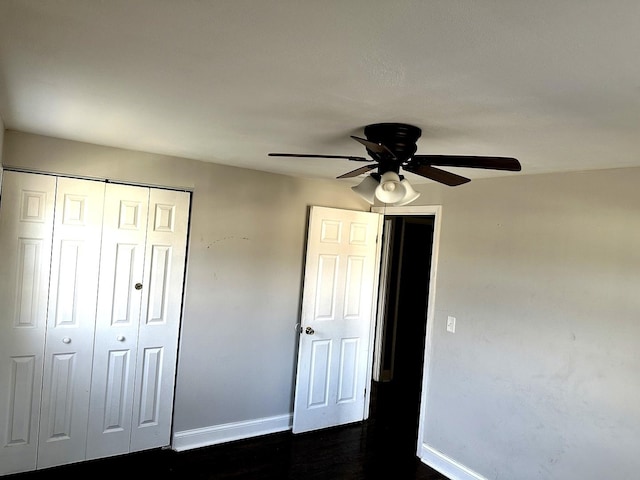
<point>451,324</point>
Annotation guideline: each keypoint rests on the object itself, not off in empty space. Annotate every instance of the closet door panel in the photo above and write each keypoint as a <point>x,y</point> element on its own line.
<point>73,291</point>
<point>26,231</point>
<point>117,319</point>
<point>160,318</point>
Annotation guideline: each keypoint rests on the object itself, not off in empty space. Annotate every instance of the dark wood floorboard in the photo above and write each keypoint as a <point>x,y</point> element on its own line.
<point>382,447</point>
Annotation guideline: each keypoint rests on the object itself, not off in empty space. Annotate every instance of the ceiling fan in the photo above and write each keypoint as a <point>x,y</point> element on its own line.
<point>392,148</point>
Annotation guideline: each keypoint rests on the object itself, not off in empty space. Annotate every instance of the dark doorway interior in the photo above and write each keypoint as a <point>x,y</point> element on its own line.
<point>396,397</point>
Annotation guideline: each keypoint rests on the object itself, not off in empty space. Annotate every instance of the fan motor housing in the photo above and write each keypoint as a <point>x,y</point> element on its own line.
<point>400,138</point>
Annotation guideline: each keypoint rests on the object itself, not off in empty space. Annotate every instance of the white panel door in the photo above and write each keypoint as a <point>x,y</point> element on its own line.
<point>337,315</point>
<point>26,226</point>
<point>160,318</point>
<point>117,319</point>
<point>70,321</point>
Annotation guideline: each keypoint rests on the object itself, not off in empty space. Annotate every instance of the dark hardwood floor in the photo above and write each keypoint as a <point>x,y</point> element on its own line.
<point>379,448</point>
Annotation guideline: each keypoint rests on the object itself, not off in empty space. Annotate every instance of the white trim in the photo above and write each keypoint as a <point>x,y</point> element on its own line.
<point>383,273</point>
<point>447,466</point>
<point>436,212</point>
<point>409,210</point>
<point>228,432</point>
<point>374,316</point>
<point>97,179</point>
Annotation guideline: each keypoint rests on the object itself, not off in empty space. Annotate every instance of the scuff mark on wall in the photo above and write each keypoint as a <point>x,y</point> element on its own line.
<point>224,239</point>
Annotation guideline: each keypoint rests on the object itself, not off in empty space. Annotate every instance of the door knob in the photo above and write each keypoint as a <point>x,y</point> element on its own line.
<point>120,338</point>
<point>309,331</point>
<point>66,340</point>
<point>138,286</point>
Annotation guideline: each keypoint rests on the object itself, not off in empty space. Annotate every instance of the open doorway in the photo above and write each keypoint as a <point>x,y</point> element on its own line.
<point>403,312</point>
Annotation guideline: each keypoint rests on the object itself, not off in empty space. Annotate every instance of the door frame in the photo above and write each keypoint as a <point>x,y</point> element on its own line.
<point>434,211</point>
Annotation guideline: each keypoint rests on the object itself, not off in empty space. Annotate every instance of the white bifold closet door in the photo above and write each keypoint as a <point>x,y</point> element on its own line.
<point>139,301</point>
<point>156,361</point>
<point>73,288</point>
<point>118,315</point>
<point>26,232</point>
<point>91,285</point>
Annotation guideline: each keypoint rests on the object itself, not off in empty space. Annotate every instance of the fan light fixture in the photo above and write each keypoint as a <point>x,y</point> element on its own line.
<point>410,194</point>
<point>390,189</point>
<point>367,189</point>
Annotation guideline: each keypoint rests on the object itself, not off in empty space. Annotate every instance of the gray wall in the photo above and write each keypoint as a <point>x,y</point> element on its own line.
<point>244,272</point>
<point>1,148</point>
<point>540,380</point>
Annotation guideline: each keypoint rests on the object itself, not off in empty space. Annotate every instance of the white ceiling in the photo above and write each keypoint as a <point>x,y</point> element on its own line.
<point>555,84</point>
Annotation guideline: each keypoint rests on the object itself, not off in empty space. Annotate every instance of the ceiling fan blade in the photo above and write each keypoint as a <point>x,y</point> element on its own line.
<point>307,155</point>
<point>358,171</point>
<point>469,161</point>
<point>375,147</point>
<point>448,178</point>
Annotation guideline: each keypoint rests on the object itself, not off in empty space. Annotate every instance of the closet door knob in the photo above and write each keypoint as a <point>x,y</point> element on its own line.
<point>138,286</point>
<point>120,338</point>
<point>66,340</point>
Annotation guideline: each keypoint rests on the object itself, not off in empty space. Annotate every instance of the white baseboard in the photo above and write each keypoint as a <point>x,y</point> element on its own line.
<point>228,432</point>
<point>447,466</point>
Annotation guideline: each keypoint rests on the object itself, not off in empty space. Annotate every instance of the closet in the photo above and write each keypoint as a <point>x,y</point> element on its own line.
<point>91,281</point>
